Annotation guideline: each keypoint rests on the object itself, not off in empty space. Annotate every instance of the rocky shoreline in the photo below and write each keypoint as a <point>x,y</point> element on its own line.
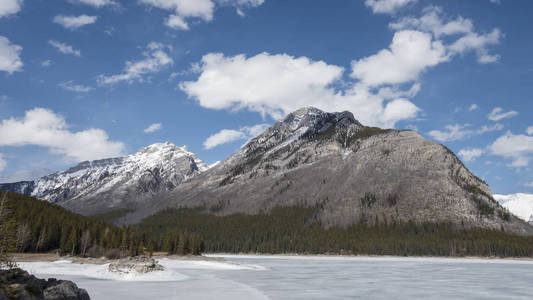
<point>19,284</point>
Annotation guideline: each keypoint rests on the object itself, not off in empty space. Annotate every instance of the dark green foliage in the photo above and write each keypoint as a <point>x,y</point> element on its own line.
<point>296,230</point>
<point>112,215</point>
<point>368,200</point>
<point>392,199</point>
<point>54,228</point>
<point>504,215</point>
<point>485,209</point>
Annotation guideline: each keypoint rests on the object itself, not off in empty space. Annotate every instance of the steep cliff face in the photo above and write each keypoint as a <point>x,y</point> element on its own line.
<point>97,186</point>
<point>352,173</point>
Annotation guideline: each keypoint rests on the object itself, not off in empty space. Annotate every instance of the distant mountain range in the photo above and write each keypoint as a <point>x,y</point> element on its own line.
<point>519,204</point>
<point>349,172</point>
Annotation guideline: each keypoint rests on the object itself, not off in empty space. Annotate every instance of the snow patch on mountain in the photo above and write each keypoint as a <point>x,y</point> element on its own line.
<point>157,167</point>
<point>519,204</point>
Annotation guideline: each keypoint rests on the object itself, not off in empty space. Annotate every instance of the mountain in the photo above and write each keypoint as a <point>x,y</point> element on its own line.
<point>519,204</point>
<point>100,185</point>
<point>348,172</point>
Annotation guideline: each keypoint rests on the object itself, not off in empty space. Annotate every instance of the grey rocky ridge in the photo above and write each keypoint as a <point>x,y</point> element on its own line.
<point>350,172</point>
<point>98,186</point>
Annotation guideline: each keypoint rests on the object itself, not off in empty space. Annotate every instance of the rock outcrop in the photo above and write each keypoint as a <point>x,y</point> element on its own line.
<point>18,284</point>
<point>138,264</point>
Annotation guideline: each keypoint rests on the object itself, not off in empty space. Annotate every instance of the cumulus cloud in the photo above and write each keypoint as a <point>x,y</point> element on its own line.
<point>181,10</point>
<point>9,7</point>
<point>518,148</point>
<point>64,48</point>
<point>78,88</point>
<point>498,113</point>
<point>458,132</point>
<point>473,107</point>
<point>10,56</point>
<point>529,130</point>
<point>43,127</point>
<point>387,6</point>
<point>153,127</point>
<point>225,136</point>
<point>155,59</point>
<point>3,163</point>
<point>95,3</point>
<point>73,22</point>
<point>528,184</point>
<point>278,84</point>
<point>434,21</point>
<point>470,154</point>
<point>409,54</point>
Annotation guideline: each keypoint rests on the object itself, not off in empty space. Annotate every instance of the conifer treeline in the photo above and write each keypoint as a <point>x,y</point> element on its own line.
<point>40,226</point>
<point>296,230</point>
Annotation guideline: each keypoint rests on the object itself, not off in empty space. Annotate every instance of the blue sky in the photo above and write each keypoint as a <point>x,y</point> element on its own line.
<point>89,79</point>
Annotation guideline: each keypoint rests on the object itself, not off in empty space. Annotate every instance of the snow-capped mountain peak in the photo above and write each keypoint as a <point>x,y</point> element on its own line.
<point>117,182</point>
<point>519,204</point>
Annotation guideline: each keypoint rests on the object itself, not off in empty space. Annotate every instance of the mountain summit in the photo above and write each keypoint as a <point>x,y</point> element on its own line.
<point>349,172</point>
<point>122,182</point>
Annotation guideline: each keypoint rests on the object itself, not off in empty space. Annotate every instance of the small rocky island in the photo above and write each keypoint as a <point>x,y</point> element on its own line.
<point>19,284</point>
<point>138,264</point>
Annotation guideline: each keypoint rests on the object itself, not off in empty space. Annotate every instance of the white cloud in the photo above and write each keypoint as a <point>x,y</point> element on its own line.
<point>181,10</point>
<point>529,130</point>
<point>459,132</point>
<point>153,127</point>
<point>3,163</point>
<point>434,21</point>
<point>518,148</point>
<point>43,127</point>
<point>470,154</point>
<point>495,1</point>
<point>73,22</point>
<point>95,3</point>
<point>64,48</point>
<point>225,136</point>
<point>409,54</point>
<point>9,7</point>
<point>222,137</point>
<point>278,84</point>
<point>10,56</point>
<point>528,184</point>
<point>71,86</point>
<point>155,60</point>
<point>498,114</point>
<point>46,63</point>
<point>387,6</point>
<point>478,43</point>
<point>473,107</point>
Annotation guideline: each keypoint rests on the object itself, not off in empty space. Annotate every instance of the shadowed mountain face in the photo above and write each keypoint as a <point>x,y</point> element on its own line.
<point>351,173</point>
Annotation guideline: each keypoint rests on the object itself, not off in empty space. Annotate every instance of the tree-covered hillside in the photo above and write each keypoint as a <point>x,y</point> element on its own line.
<point>296,230</point>
<point>40,226</point>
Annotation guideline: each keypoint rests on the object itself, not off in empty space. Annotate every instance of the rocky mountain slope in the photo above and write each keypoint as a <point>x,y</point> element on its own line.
<point>350,172</point>
<point>123,182</point>
<point>519,204</point>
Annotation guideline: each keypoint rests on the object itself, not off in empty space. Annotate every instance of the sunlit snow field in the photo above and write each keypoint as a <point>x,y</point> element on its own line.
<point>305,277</point>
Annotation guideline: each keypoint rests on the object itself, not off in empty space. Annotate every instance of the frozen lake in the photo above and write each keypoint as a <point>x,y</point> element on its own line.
<point>302,277</point>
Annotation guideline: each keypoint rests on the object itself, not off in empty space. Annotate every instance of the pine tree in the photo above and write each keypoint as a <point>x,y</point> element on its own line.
<point>8,242</point>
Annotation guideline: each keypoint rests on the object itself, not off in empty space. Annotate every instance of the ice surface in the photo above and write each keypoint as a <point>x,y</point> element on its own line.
<point>311,277</point>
